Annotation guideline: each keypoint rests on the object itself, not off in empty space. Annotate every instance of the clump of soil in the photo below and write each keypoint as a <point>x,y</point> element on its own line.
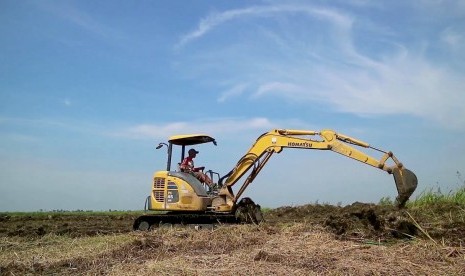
<point>74,225</point>
<point>380,223</point>
<point>358,221</point>
<point>302,240</point>
<point>366,221</point>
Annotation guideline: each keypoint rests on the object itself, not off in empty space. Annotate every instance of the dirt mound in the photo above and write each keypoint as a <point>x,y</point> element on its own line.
<point>379,223</point>
<point>358,221</point>
<point>365,221</point>
<point>298,248</point>
<point>359,239</point>
<point>74,225</point>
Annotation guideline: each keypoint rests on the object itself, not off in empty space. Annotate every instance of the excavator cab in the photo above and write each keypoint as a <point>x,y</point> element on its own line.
<point>174,190</point>
<point>190,140</point>
<point>183,141</point>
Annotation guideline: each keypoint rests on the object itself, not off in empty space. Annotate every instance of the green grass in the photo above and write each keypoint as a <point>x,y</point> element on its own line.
<point>434,196</point>
<point>430,196</point>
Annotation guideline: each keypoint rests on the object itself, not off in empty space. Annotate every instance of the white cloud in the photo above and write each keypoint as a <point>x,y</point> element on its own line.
<point>453,38</point>
<point>33,122</point>
<point>333,67</point>
<point>289,90</point>
<point>214,20</point>
<point>58,185</point>
<point>18,137</point>
<point>214,127</point>
<point>235,91</point>
<point>79,18</point>
<point>408,84</point>
<point>51,124</point>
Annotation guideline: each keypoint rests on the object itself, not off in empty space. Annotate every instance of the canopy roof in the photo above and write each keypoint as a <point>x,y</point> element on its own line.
<point>191,139</point>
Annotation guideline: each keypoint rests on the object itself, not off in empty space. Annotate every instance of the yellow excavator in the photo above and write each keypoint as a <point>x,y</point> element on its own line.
<point>180,198</point>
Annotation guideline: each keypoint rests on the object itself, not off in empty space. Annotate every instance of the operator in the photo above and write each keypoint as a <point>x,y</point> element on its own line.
<point>187,165</point>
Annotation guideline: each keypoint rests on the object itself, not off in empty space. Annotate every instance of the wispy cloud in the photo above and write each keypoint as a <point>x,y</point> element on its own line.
<point>216,19</point>
<point>213,127</point>
<point>335,66</point>
<point>44,125</point>
<point>219,127</point>
<point>36,122</point>
<point>234,91</point>
<point>453,38</point>
<point>83,20</point>
<point>290,90</point>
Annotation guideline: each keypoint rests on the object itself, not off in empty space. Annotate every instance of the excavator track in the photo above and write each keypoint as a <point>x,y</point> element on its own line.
<point>246,212</point>
<point>150,221</point>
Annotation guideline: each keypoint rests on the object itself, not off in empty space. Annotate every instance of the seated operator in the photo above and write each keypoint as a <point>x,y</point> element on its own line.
<point>187,165</point>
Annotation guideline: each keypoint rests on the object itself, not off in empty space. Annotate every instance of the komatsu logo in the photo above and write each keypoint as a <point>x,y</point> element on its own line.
<point>300,145</point>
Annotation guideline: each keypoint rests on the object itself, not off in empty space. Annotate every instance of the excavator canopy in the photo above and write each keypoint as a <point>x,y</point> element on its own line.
<point>191,139</point>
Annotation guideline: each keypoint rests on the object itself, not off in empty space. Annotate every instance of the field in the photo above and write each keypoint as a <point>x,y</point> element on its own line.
<point>359,239</point>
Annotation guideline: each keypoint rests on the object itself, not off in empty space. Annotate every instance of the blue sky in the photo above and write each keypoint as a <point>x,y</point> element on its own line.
<point>89,88</point>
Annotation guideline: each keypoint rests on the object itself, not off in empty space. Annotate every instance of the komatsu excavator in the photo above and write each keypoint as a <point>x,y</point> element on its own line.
<point>180,198</point>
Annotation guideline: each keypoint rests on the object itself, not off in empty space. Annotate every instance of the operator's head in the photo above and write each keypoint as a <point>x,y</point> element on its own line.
<point>192,152</point>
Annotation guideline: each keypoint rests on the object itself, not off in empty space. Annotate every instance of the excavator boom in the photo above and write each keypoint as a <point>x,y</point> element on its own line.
<point>275,140</point>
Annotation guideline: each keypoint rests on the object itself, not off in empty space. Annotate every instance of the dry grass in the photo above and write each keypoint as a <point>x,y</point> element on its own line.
<point>280,249</point>
<point>35,255</point>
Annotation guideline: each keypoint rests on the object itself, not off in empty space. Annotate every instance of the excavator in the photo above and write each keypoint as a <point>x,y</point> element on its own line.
<point>178,197</point>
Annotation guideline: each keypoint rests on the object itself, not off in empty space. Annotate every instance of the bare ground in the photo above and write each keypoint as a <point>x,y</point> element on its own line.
<point>360,239</point>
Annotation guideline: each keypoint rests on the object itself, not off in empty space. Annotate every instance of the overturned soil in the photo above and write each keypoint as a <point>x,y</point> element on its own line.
<point>381,223</point>
<point>358,239</point>
<point>358,221</point>
<point>73,225</point>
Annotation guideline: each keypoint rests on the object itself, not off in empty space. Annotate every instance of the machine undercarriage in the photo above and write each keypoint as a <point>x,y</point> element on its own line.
<point>246,212</point>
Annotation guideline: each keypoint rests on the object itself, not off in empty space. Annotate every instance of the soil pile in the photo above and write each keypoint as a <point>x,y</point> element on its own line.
<point>358,239</point>
<point>380,223</point>
<point>358,221</point>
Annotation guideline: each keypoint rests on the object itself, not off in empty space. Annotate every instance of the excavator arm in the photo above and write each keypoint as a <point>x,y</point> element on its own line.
<point>275,140</point>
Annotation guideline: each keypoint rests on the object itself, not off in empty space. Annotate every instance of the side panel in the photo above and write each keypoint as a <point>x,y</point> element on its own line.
<point>171,193</point>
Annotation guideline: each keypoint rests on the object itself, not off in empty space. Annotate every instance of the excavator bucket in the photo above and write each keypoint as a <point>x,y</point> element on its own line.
<point>406,183</point>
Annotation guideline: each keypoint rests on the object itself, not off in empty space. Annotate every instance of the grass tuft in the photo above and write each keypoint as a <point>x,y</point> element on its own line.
<point>434,196</point>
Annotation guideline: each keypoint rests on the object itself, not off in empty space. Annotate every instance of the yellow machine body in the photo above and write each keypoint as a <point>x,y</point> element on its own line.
<point>173,190</point>
<point>177,191</point>
<point>187,201</point>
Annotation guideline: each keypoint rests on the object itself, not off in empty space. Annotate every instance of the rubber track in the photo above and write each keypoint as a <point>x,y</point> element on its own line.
<point>185,219</point>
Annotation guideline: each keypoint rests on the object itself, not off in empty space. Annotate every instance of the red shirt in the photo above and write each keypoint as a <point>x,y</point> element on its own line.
<point>187,164</point>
